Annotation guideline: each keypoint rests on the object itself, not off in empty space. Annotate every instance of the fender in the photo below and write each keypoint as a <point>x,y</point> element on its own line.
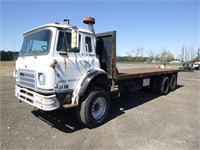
<point>83,83</point>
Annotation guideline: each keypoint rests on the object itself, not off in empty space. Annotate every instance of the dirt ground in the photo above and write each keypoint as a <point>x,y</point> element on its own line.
<point>6,68</point>
<point>139,120</point>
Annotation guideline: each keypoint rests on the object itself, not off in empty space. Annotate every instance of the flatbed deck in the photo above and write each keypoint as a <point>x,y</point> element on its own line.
<point>143,72</point>
<point>106,44</point>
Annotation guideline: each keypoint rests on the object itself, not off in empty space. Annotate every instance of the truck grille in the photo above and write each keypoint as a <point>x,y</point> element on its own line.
<point>27,78</point>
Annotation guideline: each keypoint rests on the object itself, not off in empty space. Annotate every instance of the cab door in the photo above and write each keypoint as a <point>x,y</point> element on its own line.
<point>89,52</point>
<point>73,61</point>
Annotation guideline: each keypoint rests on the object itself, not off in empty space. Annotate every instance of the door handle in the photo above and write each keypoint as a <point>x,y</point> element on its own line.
<point>84,61</point>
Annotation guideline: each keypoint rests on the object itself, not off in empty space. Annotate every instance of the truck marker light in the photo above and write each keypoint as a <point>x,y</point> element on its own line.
<point>53,64</point>
<point>56,85</point>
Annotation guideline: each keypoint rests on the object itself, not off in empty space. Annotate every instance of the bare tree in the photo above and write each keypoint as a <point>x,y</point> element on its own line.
<point>191,53</point>
<point>187,53</point>
<point>182,56</point>
<point>137,53</point>
<point>151,55</point>
<point>187,56</point>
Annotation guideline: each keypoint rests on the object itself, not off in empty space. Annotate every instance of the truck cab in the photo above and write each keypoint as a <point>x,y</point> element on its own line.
<point>52,62</point>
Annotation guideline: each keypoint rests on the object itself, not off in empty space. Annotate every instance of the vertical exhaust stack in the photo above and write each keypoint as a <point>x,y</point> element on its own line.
<point>90,21</point>
<point>66,22</point>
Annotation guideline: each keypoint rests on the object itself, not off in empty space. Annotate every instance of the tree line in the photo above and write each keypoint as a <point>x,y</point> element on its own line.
<point>187,54</point>
<point>136,55</point>
<point>8,55</point>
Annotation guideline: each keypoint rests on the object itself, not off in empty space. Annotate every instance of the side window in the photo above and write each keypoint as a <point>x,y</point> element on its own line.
<point>88,41</point>
<point>64,43</point>
<point>79,45</point>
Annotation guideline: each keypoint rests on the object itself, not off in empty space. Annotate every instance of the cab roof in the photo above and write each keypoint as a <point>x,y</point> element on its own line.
<point>59,26</point>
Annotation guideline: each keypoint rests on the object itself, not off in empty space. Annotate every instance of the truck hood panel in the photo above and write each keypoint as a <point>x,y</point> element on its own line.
<point>28,69</point>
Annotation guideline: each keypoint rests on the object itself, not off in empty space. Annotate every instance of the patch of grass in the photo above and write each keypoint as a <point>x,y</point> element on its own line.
<point>7,68</point>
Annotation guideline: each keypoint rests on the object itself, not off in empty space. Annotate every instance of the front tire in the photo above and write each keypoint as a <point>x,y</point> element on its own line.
<point>94,108</point>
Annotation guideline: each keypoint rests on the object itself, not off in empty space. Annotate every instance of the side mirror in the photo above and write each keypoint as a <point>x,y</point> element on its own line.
<point>75,38</point>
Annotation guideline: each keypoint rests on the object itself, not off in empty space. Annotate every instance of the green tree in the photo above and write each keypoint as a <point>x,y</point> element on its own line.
<point>166,56</point>
<point>129,58</point>
<point>9,55</point>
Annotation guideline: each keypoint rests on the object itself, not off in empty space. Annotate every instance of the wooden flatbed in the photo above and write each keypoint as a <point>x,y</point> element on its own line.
<point>106,50</point>
<point>143,72</point>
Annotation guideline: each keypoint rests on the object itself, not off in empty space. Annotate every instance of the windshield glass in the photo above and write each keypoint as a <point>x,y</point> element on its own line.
<point>36,44</point>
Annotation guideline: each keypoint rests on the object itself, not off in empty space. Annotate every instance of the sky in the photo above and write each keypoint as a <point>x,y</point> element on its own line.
<point>150,24</point>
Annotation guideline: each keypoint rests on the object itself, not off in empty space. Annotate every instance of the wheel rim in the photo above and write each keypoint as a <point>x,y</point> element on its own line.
<point>99,108</point>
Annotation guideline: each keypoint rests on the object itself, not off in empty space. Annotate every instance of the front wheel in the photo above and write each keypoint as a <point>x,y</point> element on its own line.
<point>94,108</point>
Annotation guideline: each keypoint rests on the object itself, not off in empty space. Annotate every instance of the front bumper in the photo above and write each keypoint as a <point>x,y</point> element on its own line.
<point>40,101</point>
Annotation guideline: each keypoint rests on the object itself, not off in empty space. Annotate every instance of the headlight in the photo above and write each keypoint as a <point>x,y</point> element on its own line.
<point>41,78</point>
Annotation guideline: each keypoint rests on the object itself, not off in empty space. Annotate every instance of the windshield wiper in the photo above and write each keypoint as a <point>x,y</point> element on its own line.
<point>21,53</point>
<point>34,54</point>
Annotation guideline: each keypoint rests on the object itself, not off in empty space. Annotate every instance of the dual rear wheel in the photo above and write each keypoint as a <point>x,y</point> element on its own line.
<point>94,105</point>
<point>164,84</point>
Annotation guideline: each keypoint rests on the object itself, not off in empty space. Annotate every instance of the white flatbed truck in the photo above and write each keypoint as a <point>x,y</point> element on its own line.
<point>62,66</point>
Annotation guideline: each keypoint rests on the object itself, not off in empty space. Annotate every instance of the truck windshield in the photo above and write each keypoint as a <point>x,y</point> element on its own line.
<point>36,44</point>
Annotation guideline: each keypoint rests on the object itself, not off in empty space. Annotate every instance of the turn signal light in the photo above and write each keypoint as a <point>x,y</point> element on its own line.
<point>56,85</point>
<point>53,64</point>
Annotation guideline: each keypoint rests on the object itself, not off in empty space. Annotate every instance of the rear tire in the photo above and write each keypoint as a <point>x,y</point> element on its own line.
<point>163,85</point>
<point>94,108</point>
<point>172,82</point>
